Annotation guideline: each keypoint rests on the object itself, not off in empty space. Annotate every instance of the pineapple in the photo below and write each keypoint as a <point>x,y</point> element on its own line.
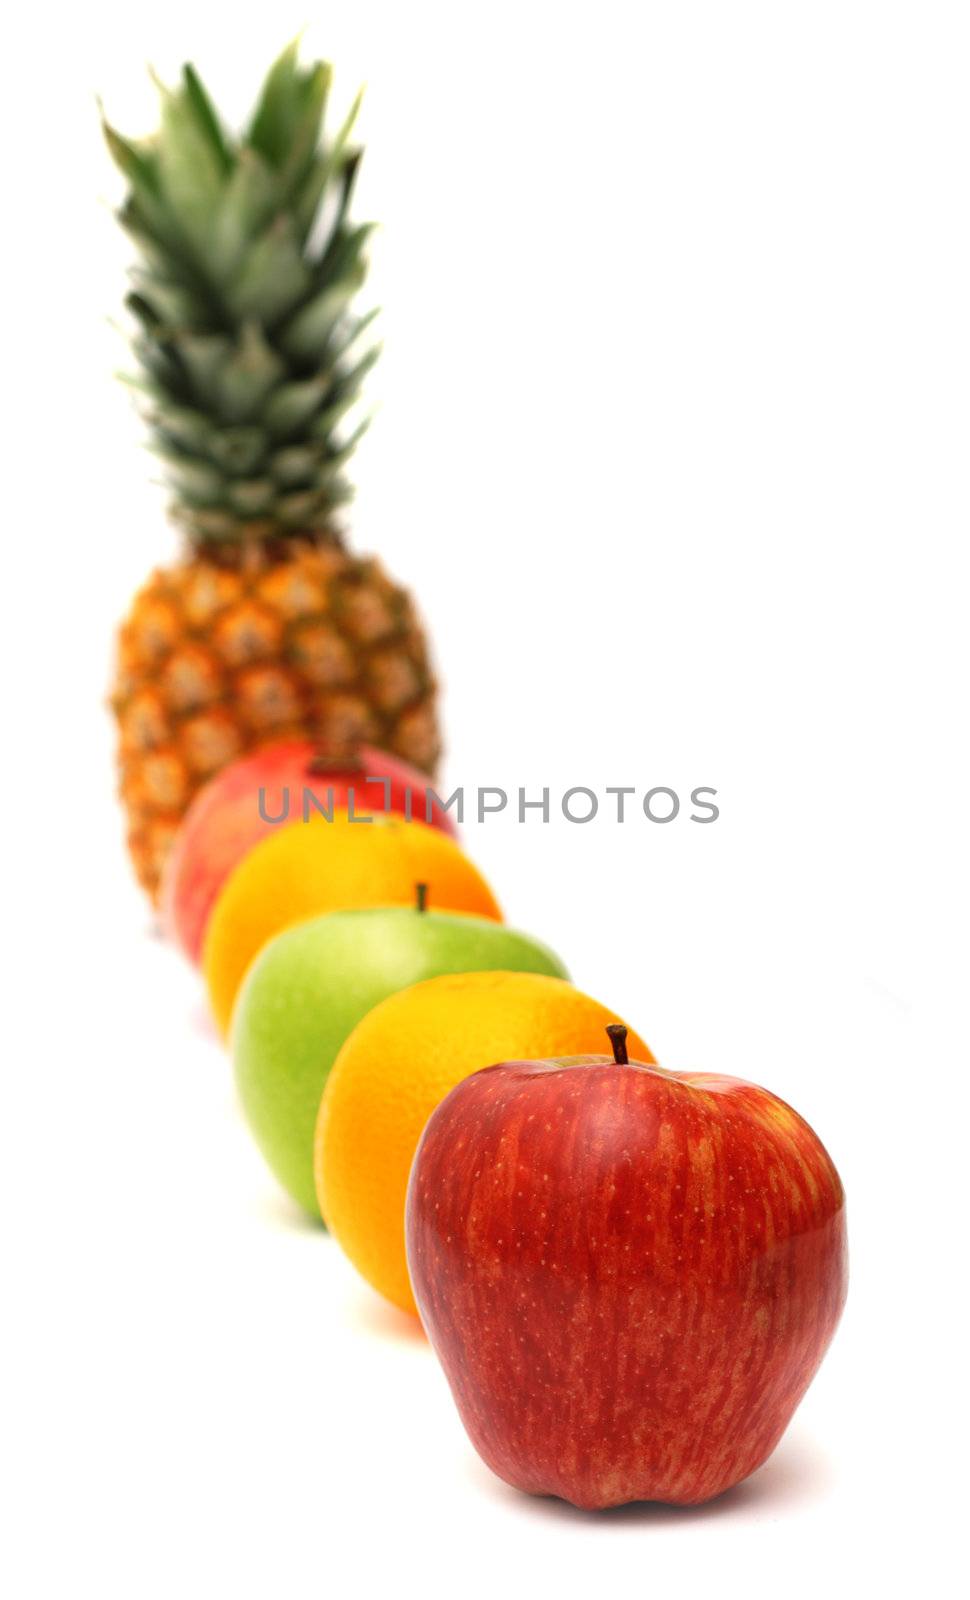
<point>268,628</point>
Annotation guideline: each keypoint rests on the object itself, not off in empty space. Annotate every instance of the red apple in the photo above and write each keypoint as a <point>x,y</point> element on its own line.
<point>226,819</point>
<point>629,1275</point>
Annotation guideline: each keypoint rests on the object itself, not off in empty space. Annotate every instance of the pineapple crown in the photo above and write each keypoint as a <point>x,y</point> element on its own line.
<point>241,298</point>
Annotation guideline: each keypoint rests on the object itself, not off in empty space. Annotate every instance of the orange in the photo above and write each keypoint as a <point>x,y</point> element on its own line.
<point>306,870</point>
<point>398,1065</point>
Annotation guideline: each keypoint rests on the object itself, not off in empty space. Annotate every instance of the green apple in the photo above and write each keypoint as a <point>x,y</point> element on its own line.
<point>311,985</point>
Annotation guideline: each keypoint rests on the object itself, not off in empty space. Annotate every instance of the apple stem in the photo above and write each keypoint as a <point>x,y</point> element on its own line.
<point>421,896</point>
<point>617,1033</point>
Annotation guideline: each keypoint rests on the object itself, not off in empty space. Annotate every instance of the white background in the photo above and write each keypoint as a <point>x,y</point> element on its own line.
<point>672,447</point>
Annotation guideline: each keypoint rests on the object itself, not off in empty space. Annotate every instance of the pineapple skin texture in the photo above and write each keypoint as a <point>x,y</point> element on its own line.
<point>216,660</point>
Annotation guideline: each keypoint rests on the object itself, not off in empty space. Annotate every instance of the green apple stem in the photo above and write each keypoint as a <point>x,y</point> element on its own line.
<point>617,1033</point>
<point>421,896</point>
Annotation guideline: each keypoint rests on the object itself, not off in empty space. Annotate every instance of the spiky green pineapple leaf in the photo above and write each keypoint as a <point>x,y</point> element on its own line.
<point>149,247</point>
<point>306,128</point>
<point>294,464</point>
<point>204,357</point>
<point>136,164</point>
<point>183,426</point>
<point>349,382</point>
<point>206,117</point>
<point>293,405</point>
<point>286,124</point>
<point>345,254</point>
<point>325,422</point>
<point>245,209</point>
<point>190,171</point>
<point>248,377</point>
<point>349,330</point>
<point>238,450</point>
<point>144,213</point>
<point>173,304</point>
<point>267,130</point>
<point>308,333</point>
<point>198,482</point>
<point>338,163</point>
<point>273,276</point>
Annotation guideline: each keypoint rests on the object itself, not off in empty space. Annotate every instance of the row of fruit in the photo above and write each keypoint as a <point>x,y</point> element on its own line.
<point>630,1275</point>
<point>303,927</point>
<point>575,1218</point>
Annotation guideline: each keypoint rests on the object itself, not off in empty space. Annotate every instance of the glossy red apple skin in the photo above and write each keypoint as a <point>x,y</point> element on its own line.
<point>223,822</point>
<point>630,1276</point>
